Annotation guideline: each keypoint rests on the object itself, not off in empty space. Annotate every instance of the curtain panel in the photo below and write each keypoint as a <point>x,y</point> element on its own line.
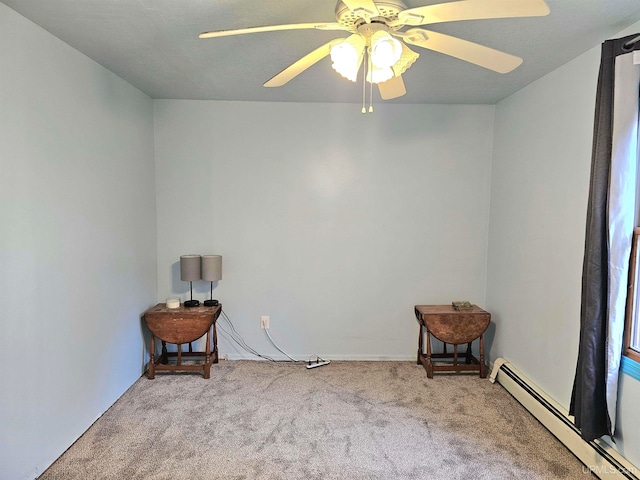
<point>610,221</point>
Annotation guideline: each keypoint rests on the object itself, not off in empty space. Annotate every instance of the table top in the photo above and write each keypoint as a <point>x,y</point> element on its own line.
<point>446,309</point>
<point>162,308</point>
<point>453,326</point>
<point>180,325</point>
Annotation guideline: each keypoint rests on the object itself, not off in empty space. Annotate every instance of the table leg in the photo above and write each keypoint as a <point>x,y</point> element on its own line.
<point>429,363</point>
<point>420,346</point>
<point>483,367</point>
<point>164,358</point>
<point>468,361</point>
<point>152,359</point>
<point>215,343</point>
<point>207,359</point>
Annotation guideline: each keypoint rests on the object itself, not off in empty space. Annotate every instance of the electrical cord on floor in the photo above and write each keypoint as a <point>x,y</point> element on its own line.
<point>239,340</point>
<point>266,330</point>
<point>243,347</point>
<point>319,362</point>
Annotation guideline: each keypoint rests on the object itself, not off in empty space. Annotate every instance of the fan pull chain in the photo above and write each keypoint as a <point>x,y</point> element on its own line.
<point>371,96</point>
<point>370,84</point>
<point>364,86</point>
<point>367,70</point>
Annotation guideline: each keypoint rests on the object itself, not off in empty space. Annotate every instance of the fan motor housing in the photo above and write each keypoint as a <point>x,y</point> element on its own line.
<point>387,11</point>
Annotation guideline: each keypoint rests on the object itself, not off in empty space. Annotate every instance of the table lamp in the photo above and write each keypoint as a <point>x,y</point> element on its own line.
<point>211,272</point>
<point>190,271</point>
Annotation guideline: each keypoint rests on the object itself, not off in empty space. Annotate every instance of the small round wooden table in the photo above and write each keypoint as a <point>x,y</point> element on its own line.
<point>455,327</point>
<point>178,326</point>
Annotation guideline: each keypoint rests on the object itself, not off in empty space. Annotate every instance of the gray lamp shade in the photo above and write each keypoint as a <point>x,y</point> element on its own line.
<point>211,268</point>
<point>189,267</point>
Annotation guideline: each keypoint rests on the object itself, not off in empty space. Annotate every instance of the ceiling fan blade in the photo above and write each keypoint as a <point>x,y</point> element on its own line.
<point>362,8</point>
<point>471,10</point>
<point>273,28</point>
<point>486,57</point>
<point>392,88</point>
<point>301,65</point>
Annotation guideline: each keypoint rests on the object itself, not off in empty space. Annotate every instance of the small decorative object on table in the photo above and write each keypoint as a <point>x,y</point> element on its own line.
<point>173,303</point>
<point>460,305</point>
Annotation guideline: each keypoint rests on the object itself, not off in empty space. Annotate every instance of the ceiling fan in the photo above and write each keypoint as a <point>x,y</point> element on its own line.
<point>376,26</point>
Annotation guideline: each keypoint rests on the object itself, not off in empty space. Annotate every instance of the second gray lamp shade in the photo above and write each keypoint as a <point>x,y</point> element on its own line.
<point>211,272</point>
<point>190,270</point>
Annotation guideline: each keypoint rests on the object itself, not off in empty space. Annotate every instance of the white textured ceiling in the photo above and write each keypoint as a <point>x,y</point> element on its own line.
<point>154,45</point>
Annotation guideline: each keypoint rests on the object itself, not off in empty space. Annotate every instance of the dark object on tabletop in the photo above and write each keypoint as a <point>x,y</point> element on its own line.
<point>462,305</point>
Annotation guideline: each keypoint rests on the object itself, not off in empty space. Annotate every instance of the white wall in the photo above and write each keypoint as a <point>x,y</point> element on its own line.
<point>540,181</point>
<point>332,222</point>
<point>77,243</point>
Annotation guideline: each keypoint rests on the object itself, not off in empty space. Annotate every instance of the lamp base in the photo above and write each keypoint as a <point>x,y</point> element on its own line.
<point>211,303</point>
<point>191,303</point>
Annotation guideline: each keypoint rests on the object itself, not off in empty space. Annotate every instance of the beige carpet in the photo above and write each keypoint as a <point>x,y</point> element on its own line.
<point>347,420</point>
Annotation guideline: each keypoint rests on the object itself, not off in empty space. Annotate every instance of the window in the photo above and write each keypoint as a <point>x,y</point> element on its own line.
<point>632,321</point>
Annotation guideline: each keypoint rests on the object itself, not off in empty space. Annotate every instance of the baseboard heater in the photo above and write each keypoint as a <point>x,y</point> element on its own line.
<point>597,456</point>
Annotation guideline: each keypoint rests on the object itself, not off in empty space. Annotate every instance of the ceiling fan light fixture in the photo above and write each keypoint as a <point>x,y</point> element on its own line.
<point>347,56</point>
<point>406,60</point>
<point>385,50</point>
<point>376,25</point>
<point>379,75</point>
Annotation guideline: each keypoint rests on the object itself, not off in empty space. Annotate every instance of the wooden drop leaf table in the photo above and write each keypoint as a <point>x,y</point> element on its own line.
<point>179,326</point>
<point>455,327</point>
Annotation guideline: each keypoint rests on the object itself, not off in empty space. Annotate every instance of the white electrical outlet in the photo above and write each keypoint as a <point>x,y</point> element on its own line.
<point>264,322</point>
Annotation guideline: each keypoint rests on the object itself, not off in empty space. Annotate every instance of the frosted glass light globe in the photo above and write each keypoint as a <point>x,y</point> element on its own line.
<point>385,50</point>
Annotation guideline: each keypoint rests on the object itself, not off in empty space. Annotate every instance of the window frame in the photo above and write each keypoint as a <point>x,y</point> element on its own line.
<point>630,318</point>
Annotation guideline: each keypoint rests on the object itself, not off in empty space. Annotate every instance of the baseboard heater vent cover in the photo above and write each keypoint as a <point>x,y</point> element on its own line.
<point>597,456</point>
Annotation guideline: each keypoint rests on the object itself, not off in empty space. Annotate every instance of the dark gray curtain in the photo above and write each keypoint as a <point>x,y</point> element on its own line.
<point>589,396</point>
